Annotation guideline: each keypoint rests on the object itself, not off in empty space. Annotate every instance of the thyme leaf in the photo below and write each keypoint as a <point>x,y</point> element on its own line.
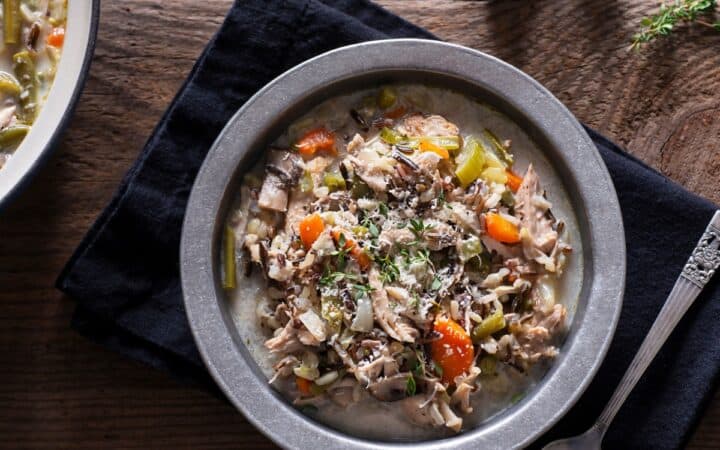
<point>383,208</point>
<point>332,278</point>
<point>389,271</point>
<point>361,289</point>
<point>341,252</point>
<point>411,386</point>
<point>665,20</point>
<point>436,283</point>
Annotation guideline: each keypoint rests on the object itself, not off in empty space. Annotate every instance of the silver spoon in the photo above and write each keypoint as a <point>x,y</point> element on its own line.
<point>701,265</point>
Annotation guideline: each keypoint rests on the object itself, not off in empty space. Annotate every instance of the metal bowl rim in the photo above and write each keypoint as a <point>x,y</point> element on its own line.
<point>592,336</point>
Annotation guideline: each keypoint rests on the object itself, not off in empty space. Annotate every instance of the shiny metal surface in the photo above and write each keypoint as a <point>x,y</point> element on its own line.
<point>700,267</point>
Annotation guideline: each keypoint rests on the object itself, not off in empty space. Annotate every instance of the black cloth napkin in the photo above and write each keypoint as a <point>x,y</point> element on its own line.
<point>125,275</point>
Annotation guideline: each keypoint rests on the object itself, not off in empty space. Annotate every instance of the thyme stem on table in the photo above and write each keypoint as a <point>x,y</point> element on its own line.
<point>670,14</point>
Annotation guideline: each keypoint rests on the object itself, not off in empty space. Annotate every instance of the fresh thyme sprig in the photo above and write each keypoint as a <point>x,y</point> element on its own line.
<point>361,289</point>
<point>341,253</point>
<point>332,278</point>
<point>669,15</point>
<point>389,271</point>
<point>423,257</point>
<point>418,228</point>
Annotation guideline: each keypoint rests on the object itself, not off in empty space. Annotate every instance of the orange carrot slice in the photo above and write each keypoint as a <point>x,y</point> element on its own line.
<point>501,229</point>
<point>453,350</point>
<point>311,227</point>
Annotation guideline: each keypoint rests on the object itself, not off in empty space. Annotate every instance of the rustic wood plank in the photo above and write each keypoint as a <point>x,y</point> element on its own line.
<point>58,390</point>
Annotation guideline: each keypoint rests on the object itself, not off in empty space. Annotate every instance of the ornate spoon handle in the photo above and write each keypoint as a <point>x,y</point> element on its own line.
<point>701,265</point>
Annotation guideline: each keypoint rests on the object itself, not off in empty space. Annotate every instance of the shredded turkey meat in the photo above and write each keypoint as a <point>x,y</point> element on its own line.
<point>406,262</point>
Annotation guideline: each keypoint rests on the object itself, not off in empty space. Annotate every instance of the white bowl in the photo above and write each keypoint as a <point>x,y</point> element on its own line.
<point>82,21</point>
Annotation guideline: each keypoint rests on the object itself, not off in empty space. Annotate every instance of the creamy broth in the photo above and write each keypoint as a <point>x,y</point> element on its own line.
<point>371,418</point>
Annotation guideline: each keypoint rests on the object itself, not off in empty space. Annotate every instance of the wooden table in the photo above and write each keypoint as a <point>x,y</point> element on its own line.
<point>58,390</point>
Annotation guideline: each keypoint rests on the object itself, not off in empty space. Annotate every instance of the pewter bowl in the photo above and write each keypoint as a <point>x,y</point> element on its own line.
<point>563,143</point>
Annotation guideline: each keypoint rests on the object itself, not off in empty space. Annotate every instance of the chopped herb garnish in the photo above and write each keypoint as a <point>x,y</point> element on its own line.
<point>342,251</point>
<point>389,271</point>
<point>422,257</point>
<point>342,240</point>
<point>418,227</point>
<point>436,283</point>
<point>373,230</point>
<point>419,369</point>
<point>383,208</point>
<point>361,289</point>
<point>331,278</point>
<point>410,387</point>
<point>406,255</point>
<point>441,201</point>
<point>414,301</point>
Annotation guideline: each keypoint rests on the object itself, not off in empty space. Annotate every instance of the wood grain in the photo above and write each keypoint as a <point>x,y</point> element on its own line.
<point>58,390</point>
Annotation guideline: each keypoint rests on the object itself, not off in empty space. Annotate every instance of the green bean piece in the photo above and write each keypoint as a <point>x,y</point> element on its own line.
<point>500,150</point>
<point>25,72</point>
<point>390,136</point>
<point>331,311</point>
<point>11,136</point>
<point>386,98</point>
<point>489,325</point>
<point>11,21</point>
<point>9,85</point>
<point>229,280</point>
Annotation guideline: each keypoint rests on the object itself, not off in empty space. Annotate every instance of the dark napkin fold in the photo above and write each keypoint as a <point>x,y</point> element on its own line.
<point>125,273</point>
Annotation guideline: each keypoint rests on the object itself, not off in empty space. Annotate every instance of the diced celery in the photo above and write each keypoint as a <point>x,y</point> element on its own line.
<point>470,161</point>
<point>331,311</point>
<point>499,149</point>
<point>491,324</point>
<point>386,98</point>
<point>495,175</point>
<point>359,230</point>
<point>469,248</point>
<point>309,373</point>
<point>390,136</point>
<point>229,281</point>
<point>334,181</point>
